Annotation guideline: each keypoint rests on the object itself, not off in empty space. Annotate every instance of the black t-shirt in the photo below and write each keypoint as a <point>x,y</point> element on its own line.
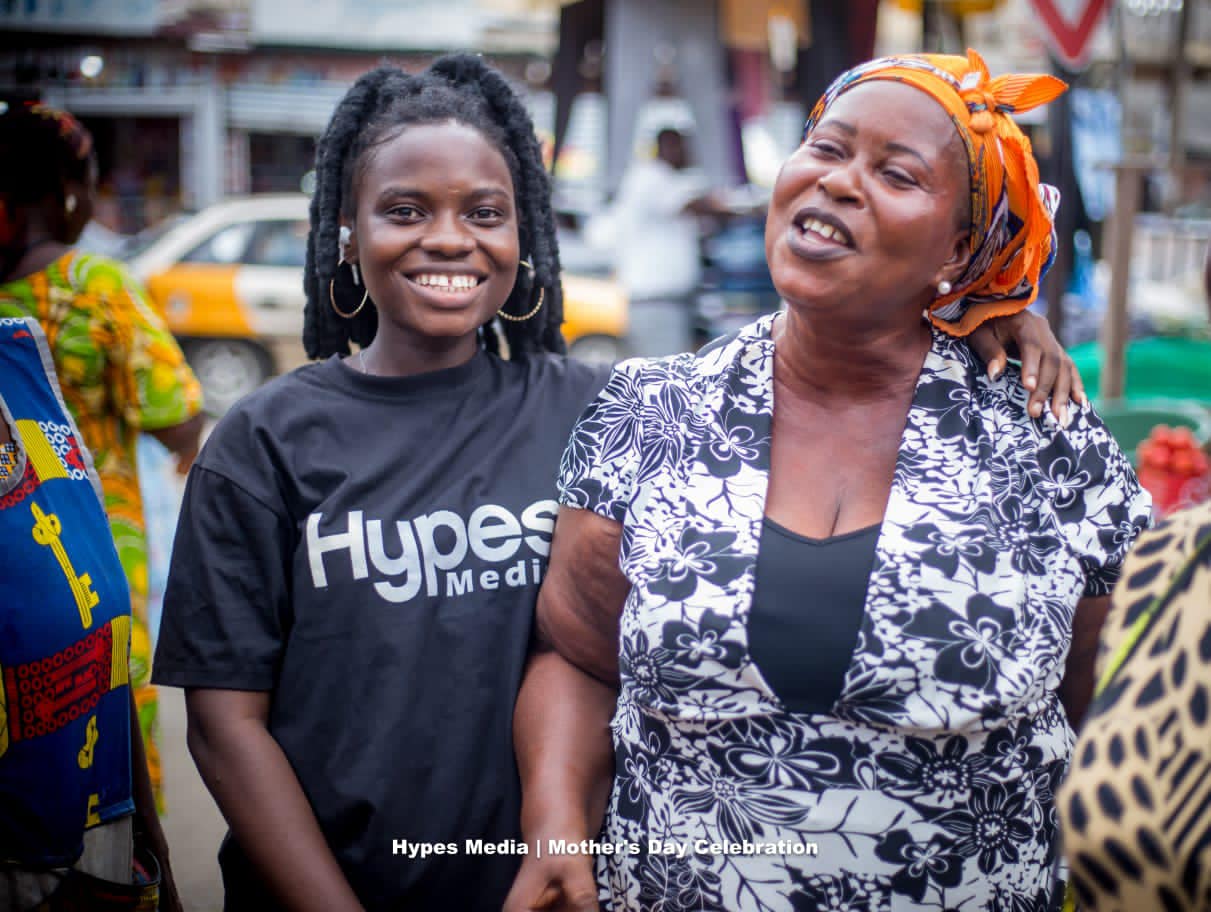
<point>369,550</point>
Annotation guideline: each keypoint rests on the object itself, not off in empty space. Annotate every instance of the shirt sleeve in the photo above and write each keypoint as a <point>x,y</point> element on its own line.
<point>152,385</point>
<point>1097,499</point>
<point>226,605</point>
<point>600,465</point>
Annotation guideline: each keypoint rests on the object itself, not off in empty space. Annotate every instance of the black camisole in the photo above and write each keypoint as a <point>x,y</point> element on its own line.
<point>808,604</point>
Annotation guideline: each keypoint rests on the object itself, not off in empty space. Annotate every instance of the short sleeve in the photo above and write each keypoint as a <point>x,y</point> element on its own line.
<point>152,385</point>
<point>226,605</point>
<point>1097,500</point>
<point>599,467</point>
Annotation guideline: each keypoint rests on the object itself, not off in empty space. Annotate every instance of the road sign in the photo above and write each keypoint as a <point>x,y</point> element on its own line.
<point>1068,26</point>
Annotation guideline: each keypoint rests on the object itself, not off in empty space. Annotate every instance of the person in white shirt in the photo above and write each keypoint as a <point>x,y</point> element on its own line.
<point>657,257</point>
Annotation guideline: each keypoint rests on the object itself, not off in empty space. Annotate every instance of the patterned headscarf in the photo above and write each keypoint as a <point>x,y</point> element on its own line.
<point>1012,234</point>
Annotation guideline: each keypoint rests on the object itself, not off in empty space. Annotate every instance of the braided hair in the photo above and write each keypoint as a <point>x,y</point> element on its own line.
<point>41,150</point>
<point>379,106</point>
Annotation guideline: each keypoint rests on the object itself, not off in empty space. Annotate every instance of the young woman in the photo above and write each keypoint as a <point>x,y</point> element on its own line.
<point>361,543</point>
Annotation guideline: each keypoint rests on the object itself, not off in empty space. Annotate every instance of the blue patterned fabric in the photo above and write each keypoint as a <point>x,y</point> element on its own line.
<point>929,783</point>
<point>64,625</point>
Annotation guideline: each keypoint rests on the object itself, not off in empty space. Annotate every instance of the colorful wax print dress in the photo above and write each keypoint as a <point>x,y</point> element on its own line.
<point>930,783</point>
<point>121,372</point>
<point>64,625</point>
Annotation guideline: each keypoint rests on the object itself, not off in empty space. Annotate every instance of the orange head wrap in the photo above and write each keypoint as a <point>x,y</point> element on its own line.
<point>1012,238</point>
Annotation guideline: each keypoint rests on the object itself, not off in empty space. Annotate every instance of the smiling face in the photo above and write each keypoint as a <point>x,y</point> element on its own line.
<point>435,234</point>
<point>870,213</point>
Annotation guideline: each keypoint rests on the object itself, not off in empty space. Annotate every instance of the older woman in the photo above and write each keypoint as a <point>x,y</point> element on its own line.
<point>847,581</point>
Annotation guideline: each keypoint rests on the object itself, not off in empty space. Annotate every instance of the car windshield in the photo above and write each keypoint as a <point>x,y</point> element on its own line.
<point>138,243</point>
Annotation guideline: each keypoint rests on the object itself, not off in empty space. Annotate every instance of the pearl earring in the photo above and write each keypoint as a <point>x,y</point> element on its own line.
<point>70,203</point>
<point>944,288</point>
<point>344,239</point>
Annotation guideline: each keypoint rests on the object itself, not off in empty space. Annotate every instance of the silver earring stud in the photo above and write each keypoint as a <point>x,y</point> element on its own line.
<point>944,287</point>
<point>70,203</point>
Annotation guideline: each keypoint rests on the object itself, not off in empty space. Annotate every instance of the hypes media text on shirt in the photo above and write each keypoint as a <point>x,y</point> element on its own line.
<point>446,554</point>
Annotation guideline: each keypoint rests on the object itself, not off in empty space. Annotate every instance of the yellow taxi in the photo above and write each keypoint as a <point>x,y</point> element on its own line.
<point>229,283</point>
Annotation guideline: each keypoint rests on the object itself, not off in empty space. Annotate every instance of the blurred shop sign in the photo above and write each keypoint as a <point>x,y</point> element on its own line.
<point>957,7</point>
<point>1068,26</point>
<point>371,24</point>
<point>1096,145</point>
<point>108,17</point>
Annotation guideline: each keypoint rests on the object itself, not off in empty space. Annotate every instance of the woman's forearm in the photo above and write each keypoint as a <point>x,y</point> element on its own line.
<point>565,755</point>
<point>263,802</point>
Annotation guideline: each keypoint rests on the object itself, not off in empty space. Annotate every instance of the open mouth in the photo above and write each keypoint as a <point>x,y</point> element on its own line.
<point>817,225</point>
<point>448,283</point>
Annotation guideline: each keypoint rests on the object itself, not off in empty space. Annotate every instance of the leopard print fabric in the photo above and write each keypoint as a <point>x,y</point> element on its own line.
<point>1136,808</point>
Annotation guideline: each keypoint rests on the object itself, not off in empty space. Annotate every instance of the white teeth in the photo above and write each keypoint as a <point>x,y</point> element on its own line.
<point>447,282</point>
<point>825,231</point>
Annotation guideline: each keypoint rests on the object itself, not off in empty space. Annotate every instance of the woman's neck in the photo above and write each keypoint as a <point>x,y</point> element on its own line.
<point>392,355</point>
<point>36,255</point>
<point>847,363</point>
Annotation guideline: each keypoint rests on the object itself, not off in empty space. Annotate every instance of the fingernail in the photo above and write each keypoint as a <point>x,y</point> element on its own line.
<point>995,371</point>
<point>1065,417</point>
<point>1030,382</point>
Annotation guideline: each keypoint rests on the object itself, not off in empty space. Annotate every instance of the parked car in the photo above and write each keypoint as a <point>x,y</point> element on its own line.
<point>229,283</point>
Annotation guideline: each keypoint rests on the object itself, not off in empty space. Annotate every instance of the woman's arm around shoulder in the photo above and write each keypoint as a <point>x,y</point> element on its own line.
<point>1047,369</point>
<point>561,723</point>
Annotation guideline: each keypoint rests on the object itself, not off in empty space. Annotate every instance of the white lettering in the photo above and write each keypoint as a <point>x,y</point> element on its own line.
<point>459,583</point>
<point>540,517</point>
<point>422,849</point>
<point>353,540</point>
<point>516,575</point>
<point>504,525</point>
<point>407,563</point>
<point>667,847</point>
<point>489,579</point>
<point>433,558</point>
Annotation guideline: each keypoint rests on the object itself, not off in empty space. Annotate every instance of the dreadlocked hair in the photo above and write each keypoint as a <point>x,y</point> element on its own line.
<point>379,106</point>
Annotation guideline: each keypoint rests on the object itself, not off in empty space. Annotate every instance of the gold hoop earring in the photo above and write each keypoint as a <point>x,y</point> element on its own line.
<point>339,312</point>
<point>513,318</point>
<point>537,307</point>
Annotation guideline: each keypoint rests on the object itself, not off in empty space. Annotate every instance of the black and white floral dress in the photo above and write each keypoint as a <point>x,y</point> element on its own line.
<point>930,783</point>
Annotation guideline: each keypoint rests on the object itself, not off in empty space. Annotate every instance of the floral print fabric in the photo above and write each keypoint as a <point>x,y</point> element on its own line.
<point>930,783</point>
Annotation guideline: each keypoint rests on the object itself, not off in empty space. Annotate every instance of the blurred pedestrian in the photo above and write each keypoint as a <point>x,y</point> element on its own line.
<point>656,233</point>
<point>120,369</point>
<point>77,812</point>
